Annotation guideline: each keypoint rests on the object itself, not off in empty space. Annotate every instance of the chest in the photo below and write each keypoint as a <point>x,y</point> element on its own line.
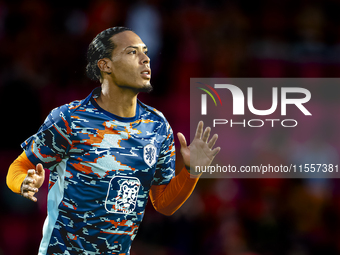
<point>105,149</point>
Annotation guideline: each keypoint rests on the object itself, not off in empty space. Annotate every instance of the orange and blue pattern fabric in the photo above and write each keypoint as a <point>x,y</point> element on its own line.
<point>102,167</point>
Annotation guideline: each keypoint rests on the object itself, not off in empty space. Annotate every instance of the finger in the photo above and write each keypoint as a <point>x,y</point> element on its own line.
<point>29,180</point>
<point>215,151</point>
<point>40,169</point>
<point>27,188</point>
<point>212,141</point>
<point>206,134</point>
<point>199,130</point>
<point>30,197</point>
<point>182,140</point>
<point>30,172</point>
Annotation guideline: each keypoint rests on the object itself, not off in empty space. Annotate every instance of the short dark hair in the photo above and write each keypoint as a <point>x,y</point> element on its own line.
<point>101,47</point>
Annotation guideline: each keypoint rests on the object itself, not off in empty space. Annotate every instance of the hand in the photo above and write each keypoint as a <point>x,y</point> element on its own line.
<point>33,181</point>
<point>199,152</point>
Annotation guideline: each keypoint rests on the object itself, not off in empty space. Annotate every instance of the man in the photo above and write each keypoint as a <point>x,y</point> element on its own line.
<point>106,154</point>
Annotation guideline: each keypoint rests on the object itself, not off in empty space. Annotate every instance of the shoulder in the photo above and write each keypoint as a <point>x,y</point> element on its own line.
<point>61,116</point>
<point>64,111</point>
<point>153,114</point>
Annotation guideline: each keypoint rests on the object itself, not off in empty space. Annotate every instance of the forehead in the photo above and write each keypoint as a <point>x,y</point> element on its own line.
<point>126,38</point>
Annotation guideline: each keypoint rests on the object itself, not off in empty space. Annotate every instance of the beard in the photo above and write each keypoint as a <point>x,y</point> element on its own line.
<point>145,88</point>
<point>137,88</point>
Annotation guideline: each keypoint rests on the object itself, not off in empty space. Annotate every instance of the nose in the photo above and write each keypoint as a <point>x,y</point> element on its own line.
<point>145,59</point>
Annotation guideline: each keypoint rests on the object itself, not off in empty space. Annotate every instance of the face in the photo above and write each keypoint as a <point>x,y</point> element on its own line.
<point>130,65</point>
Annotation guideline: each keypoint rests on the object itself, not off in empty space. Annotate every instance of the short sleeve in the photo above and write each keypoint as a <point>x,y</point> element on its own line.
<point>52,141</point>
<point>165,169</point>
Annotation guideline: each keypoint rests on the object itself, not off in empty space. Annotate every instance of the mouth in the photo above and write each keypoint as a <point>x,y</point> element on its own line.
<point>146,74</point>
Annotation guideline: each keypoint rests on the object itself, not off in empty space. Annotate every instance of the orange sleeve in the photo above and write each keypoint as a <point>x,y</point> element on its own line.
<point>17,172</point>
<point>166,199</point>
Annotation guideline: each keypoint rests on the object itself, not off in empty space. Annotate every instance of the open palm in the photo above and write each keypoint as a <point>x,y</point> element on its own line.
<point>200,152</point>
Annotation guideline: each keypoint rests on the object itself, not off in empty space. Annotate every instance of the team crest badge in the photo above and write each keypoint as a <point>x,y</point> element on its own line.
<point>150,154</point>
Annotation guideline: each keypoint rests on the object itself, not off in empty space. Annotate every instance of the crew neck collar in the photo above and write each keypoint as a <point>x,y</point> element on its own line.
<point>95,94</point>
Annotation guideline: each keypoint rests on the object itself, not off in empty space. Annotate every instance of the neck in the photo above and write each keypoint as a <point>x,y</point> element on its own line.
<point>118,101</point>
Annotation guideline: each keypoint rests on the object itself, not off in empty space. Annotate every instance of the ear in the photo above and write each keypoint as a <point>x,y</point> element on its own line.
<point>104,65</point>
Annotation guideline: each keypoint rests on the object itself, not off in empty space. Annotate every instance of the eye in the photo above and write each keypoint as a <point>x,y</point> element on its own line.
<point>132,52</point>
<point>146,52</point>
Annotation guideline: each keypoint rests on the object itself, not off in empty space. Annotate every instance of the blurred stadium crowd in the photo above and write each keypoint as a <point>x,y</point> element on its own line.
<point>42,65</point>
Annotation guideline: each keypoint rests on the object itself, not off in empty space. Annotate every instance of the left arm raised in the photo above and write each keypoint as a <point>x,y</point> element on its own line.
<point>166,199</point>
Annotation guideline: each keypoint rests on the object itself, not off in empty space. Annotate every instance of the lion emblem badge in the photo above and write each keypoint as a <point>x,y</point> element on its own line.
<point>122,195</point>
